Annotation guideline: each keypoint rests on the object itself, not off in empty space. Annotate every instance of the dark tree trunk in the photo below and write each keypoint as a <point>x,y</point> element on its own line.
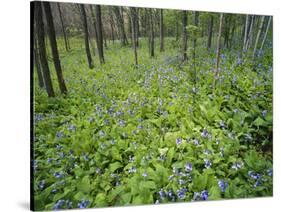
<point>37,63</point>
<point>196,14</point>
<point>151,37</point>
<point>184,35</point>
<point>210,32</point>
<point>177,28</point>
<point>99,33</point>
<point>137,27</point>
<point>111,24</point>
<point>133,16</point>
<point>161,31</point>
<point>66,41</point>
<point>86,35</point>
<point>42,49</point>
<point>54,48</point>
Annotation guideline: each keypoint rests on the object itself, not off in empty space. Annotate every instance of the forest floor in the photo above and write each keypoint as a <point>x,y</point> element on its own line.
<point>153,134</point>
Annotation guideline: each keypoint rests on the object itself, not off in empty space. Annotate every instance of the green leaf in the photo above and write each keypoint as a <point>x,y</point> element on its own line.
<point>100,200</point>
<point>84,185</point>
<point>114,166</point>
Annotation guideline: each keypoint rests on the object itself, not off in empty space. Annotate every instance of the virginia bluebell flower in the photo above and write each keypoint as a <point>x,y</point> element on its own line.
<point>181,193</point>
<point>195,142</point>
<point>68,204</point>
<point>71,128</point>
<point>204,133</point>
<point>204,195</point>
<point>223,185</point>
<point>179,141</point>
<point>133,169</point>
<point>188,167</point>
<point>264,112</point>
<point>59,134</point>
<point>83,204</point>
<point>58,174</point>
<point>162,194</point>
<point>196,196</point>
<point>208,163</point>
<point>144,174</point>
<point>269,172</point>
<point>41,184</point>
<point>58,205</point>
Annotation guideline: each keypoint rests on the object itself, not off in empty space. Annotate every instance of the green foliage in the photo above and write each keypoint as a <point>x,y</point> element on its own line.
<point>123,133</point>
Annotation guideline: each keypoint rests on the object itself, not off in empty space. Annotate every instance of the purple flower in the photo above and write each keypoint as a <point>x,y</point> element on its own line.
<point>58,174</point>
<point>264,112</point>
<point>41,184</point>
<point>269,172</point>
<point>204,134</point>
<point>71,128</point>
<point>223,185</point>
<point>58,205</point>
<point>195,142</point>
<point>179,141</point>
<point>204,195</point>
<point>132,170</point>
<point>162,194</point>
<point>59,134</point>
<point>181,193</point>
<point>144,175</point>
<point>208,163</point>
<point>83,203</point>
<point>196,196</point>
<point>188,167</point>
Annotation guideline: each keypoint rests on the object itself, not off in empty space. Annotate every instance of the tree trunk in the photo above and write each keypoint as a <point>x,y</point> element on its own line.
<point>151,33</point>
<point>99,33</point>
<point>177,28</point>
<point>111,24</point>
<point>121,27</point>
<point>218,55</point>
<point>37,63</point>
<point>250,36</point>
<point>210,32</point>
<point>134,32</point>
<point>42,49</point>
<point>161,31</point>
<point>267,28</point>
<point>246,33</point>
<point>184,35</point>
<point>258,36</point>
<point>54,48</point>
<point>86,35</point>
<point>66,41</point>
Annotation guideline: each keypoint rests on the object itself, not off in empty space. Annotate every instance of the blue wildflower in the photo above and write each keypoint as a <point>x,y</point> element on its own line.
<point>133,169</point>
<point>204,133</point>
<point>68,204</point>
<point>101,133</point>
<point>71,128</point>
<point>235,110</point>
<point>179,141</point>
<point>58,174</point>
<point>264,112</point>
<point>223,185</point>
<point>59,134</point>
<point>58,205</point>
<point>41,184</point>
<point>208,163</point>
<point>196,196</point>
<point>181,193</point>
<point>204,195</point>
<point>162,194</point>
<point>83,203</point>
<point>39,117</point>
<point>144,175</point>
<point>195,142</point>
<point>188,167</point>
<point>269,172</point>
<point>121,123</point>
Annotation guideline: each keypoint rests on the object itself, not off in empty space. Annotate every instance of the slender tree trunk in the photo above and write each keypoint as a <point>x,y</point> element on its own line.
<point>121,26</point>
<point>161,31</point>
<point>218,55</point>
<point>184,35</point>
<point>66,42</point>
<point>99,33</point>
<point>42,49</point>
<point>196,14</point>
<point>54,48</point>
<point>104,37</point>
<point>177,27</point>
<point>210,32</point>
<point>258,36</point>
<point>37,63</point>
<point>151,33</point>
<point>246,33</point>
<point>85,27</point>
<point>134,32</point>
<point>232,33</point>
<point>111,24</point>
<point>137,27</point>
<point>265,35</point>
<point>250,36</point>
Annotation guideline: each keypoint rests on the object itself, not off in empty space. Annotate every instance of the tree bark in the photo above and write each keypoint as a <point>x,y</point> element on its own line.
<point>265,35</point>
<point>37,63</point>
<point>66,41</point>
<point>218,55</point>
<point>99,33</point>
<point>210,32</point>
<point>54,48</point>
<point>250,36</point>
<point>42,49</point>
<point>151,46</point>
<point>86,35</point>
<point>258,37</point>
<point>134,32</point>
<point>121,26</point>
<point>184,35</point>
<point>246,33</point>
<point>161,31</point>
